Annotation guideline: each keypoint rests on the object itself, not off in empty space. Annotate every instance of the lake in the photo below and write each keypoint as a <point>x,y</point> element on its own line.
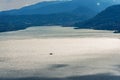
<point>82,54</point>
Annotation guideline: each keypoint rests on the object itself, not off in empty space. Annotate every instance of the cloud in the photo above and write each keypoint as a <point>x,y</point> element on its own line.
<point>13,4</point>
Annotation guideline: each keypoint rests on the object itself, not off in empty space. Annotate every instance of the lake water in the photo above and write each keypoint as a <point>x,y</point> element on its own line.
<point>26,53</point>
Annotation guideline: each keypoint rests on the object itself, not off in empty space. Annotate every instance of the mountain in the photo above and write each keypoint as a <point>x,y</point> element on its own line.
<point>62,13</point>
<point>17,22</point>
<point>109,19</point>
<point>52,7</point>
<point>29,9</point>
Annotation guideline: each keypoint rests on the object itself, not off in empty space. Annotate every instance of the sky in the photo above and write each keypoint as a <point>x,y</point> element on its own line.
<point>15,4</point>
<point>12,4</point>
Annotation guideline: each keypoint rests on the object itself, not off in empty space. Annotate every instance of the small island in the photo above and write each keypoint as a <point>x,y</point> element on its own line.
<point>117,31</point>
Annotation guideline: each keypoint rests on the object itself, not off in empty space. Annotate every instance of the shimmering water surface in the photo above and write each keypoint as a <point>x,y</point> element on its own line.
<point>26,53</point>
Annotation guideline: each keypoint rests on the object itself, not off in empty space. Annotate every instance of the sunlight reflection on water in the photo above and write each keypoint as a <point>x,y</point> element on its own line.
<point>26,53</point>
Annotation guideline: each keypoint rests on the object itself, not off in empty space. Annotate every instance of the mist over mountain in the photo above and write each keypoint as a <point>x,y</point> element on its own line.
<point>109,19</point>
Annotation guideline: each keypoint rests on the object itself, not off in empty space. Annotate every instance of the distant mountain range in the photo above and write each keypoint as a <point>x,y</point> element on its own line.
<point>53,7</point>
<point>109,19</point>
<point>62,13</point>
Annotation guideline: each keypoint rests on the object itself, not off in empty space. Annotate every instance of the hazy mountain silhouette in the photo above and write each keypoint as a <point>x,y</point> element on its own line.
<point>109,19</point>
<point>52,7</point>
<point>62,13</point>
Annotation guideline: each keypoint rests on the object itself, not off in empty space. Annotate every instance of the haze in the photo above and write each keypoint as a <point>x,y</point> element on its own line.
<point>15,4</point>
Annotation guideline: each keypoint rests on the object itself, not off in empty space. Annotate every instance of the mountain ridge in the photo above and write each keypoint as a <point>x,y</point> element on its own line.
<point>50,13</point>
<point>108,19</point>
<point>52,7</point>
